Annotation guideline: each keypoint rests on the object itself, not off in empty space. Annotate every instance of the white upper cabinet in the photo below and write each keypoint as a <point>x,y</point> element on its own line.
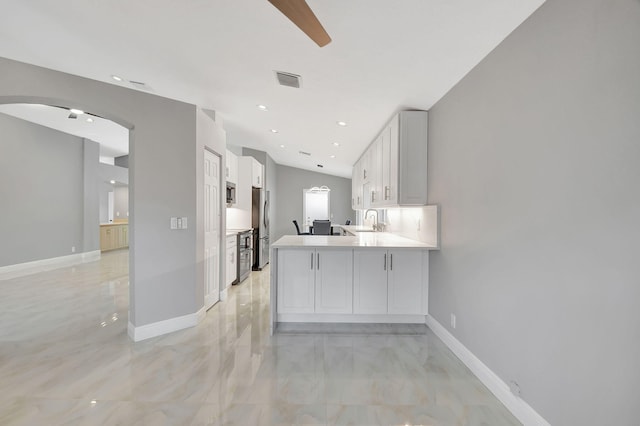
<point>231,169</point>
<point>257,174</point>
<point>393,169</point>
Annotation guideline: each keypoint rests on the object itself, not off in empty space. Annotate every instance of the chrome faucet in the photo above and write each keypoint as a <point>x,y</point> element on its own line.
<point>375,223</point>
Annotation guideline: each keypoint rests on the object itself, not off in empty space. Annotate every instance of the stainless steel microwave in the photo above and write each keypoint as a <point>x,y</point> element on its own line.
<point>231,193</point>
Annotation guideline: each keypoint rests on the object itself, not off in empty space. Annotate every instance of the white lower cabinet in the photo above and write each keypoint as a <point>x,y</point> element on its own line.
<point>315,281</point>
<point>334,281</point>
<point>387,281</point>
<point>369,282</point>
<point>232,261</point>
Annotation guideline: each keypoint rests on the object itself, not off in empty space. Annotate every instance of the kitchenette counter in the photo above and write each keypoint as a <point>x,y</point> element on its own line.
<point>369,277</point>
<point>360,240</point>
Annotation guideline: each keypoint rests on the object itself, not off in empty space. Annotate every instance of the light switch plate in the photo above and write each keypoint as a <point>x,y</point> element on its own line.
<point>184,223</point>
<point>174,223</point>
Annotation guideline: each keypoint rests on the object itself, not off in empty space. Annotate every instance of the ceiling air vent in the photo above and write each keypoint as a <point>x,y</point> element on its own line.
<point>288,79</point>
<point>305,153</point>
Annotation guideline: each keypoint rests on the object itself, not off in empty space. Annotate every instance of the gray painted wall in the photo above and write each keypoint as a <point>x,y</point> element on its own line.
<point>162,183</point>
<point>42,192</point>
<point>120,202</point>
<point>270,181</point>
<point>290,183</point>
<point>90,196</point>
<point>533,158</point>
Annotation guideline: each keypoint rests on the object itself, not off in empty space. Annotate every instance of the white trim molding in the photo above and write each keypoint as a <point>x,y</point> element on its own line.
<point>352,318</point>
<point>28,268</point>
<point>159,328</point>
<point>518,407</point>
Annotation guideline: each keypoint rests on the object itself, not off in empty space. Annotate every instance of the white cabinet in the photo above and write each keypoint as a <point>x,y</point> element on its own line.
<point>257,174</point>
<point>334,281</point>
<point>388,281</point>
<point>356,187</point>
<point>311,280</point>
<point>393,169</point>
<point>232,261</point>
<point>231,169</point>
<point>369,282</point>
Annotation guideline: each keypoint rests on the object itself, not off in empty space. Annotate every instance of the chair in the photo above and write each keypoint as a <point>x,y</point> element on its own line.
<point>295,222</point>
<point>348,222</point>
<point>321,227</point>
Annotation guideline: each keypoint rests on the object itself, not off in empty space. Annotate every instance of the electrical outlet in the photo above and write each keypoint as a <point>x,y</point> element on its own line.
<point>453,320</point>
<point>174,223</point>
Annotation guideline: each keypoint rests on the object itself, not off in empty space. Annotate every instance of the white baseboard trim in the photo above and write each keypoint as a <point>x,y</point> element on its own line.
<point>352,318</point>
<point>28,268</point>
<point>518,407</point>
<point>159,328</point>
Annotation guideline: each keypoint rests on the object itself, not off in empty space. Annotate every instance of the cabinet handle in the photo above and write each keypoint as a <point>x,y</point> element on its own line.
<point>372,196</point>
<point>386,192</point>
<point>385,261</point>
<point>311,260</point>
<point>318,265</point>
<point>364,173</point>
<point>227,171</point>
<point>358,200</point>
<point>391,262</point>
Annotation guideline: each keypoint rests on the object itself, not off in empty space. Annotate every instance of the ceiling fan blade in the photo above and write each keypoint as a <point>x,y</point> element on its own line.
<point>299,12</point>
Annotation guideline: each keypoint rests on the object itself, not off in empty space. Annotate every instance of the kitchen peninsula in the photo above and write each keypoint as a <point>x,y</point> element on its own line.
<point>371,277</point>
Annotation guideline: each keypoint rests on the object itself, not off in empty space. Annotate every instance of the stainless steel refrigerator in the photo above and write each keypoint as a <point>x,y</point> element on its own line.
<point>260,223</point>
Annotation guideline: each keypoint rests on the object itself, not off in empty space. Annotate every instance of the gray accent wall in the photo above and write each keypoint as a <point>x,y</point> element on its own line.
<point>42,175</point>
<point>290,183</point>
<point>163,163</point>
<point>534,160</point>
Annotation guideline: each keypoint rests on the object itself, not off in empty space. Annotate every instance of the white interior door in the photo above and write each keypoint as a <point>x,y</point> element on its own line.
<point>211,229</point>
<point>315,207</point>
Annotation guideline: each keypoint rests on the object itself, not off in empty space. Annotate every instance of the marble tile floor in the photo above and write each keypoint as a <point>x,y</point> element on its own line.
<point>65,359</point>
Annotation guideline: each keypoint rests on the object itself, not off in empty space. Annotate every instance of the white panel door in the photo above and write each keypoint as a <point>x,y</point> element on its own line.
<point>211,229</point>
<point>296,270</point>
<point>334,281</point>
<point>369,281</point>
<point>405,281</point>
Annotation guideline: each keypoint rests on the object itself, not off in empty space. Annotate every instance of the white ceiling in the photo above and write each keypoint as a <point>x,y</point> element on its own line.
<point>385,56</point>
<point>112,137</point>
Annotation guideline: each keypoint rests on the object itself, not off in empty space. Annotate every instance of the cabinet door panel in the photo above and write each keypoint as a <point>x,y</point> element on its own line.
<point>334,281</point>
<point>296,281</point>
<point>405,281</point>
<point>369,282</point>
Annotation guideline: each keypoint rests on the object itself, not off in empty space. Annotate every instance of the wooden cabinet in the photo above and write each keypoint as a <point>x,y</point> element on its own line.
<point>388,281</point>
<point>232,261</point>
<point>257,173</point>
<point>393,170</point>
<point>114,236</point>
<point>231,169</point>
<point>315,281</point>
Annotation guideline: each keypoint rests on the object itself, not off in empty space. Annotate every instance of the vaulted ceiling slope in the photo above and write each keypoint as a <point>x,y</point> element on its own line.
<point>384,56</point>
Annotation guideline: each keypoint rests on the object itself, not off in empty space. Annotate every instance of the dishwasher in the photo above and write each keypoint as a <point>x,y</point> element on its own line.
<point>245,254</point>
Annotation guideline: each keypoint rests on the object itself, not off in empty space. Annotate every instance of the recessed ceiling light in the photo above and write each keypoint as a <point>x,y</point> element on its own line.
<point>89,120</point>
<point>341,123</point>
<point>112,182</point>
<point>274,131</point>
<point>281,146</point>
<point>332,156</point>
<point>76,111</point>
<point>116,78</point>
<point>336,144</point>
<point>263,107</point>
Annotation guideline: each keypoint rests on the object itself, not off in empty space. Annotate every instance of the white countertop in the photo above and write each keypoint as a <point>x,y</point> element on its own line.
<point>362,239</point>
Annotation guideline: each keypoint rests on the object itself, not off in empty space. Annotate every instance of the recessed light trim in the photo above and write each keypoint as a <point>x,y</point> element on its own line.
<point>112,182</point>
<point>262,107</point>
<point>336,144</point>
<point>89,120</point>
<point>281,146</point>
<point>274,131</point>
<point>341,123</point>
<point>116,78</point>
<point>76,111</point>
<point>332,156</point>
